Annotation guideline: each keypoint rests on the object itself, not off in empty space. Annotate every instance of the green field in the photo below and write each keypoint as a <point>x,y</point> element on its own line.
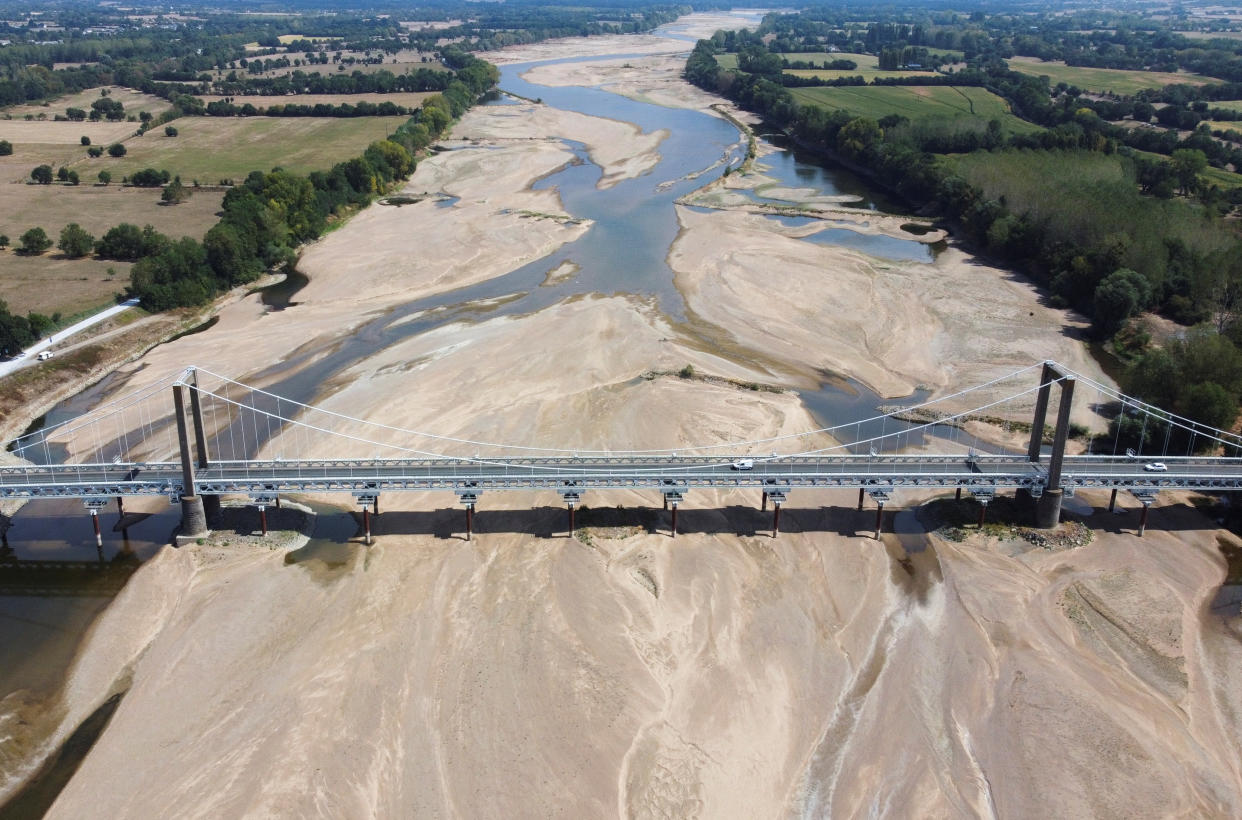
<point>868,66</point>
<point>913,101</point>
<point>1231,105</point>
<point>1105,79</point>
<point>209,149</point>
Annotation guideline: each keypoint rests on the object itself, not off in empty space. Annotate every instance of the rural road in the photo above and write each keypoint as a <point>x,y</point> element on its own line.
<point>31,354</point>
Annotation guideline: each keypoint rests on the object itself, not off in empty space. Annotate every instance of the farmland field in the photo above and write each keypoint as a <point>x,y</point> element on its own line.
<point>135,103</point>
<point>212,148</point>
<point>868,66</point>
<point>912,101</point>
<point>411,99</point>
<point>1104,79</point>
<point>97,208</point>
<point>52,284</point>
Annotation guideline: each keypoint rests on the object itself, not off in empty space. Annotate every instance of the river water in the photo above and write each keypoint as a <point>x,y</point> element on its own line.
<point>624,252</point>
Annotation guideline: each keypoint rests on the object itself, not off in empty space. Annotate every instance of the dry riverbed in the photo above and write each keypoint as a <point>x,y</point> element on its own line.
<point>622,672</point>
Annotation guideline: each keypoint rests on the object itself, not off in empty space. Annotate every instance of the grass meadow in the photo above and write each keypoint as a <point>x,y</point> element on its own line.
<point>1101,80</point>
<point>913,101</point>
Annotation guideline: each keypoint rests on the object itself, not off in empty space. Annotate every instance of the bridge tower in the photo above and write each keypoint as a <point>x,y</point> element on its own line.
<point>1047,507</point>
<point>193,514</point>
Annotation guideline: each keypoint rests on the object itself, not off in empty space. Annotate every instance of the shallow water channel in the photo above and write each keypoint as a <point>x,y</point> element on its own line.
<point>624,252</point>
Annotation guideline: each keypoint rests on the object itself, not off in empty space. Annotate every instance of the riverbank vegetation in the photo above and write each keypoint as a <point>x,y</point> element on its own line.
<point>1112,220</point>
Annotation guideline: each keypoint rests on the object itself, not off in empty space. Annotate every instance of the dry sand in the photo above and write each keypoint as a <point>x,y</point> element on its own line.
<point>721,674</point>
<point>717,675</point>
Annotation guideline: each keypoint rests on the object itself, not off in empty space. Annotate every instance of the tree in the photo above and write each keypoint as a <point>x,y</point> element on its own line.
<point>34,242</point>
<point>86,140</point>
<point>6,148</point>
<point>175,193</point>
<point>116,149</point>
<point>170,131</point>
<point>62,174</point>
<point>859,137</point>
<point>95,151</point>
<point>75,241</point>
<point>4,241</point>
<point>42,174</point>
<point>1188,163</point>
<point>105,176</point>
<point>75,114</point>
<point>73,178</point>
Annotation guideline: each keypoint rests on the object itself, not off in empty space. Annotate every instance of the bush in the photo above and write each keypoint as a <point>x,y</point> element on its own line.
<point>6,148</point>
<point>94,151</point>
<point>72,178</point>
<point>105,176</point>
<point>116,149</point>
<point>149,178</point>
<point>86,140</point>
<point>42,174</point>
<point>686,372</point>
<point>34,242</point>
<point>4,241</point>
<point>169,131</point>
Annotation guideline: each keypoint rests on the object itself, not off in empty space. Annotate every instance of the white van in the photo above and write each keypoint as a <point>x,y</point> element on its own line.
<point>45,355</point>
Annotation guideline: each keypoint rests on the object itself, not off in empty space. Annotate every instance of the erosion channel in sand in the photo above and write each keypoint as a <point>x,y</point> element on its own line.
<point>542,286</point>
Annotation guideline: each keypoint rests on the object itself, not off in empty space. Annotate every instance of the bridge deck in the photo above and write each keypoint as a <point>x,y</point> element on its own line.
<point>671,474</point>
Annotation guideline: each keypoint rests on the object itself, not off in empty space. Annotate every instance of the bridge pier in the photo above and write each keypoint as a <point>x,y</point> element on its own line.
<point>861,495</point>
<point>1112,500</point>
<point>95,521</point>
<point>193,516</point>
<point>366,524</point>
<point>674,519</point>
<point>776,518</point>
<point>879,519</point>
<point>1048,509</point>
<point>764,506</point>
<point>958,495</point>
<point>1143,518</point>
<point>469,520</point>
<point>263,520</point>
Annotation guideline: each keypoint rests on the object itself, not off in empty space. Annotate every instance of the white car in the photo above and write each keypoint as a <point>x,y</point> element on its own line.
<point>1156,467</point>
<point>45,355</point>
<point>743,464</point>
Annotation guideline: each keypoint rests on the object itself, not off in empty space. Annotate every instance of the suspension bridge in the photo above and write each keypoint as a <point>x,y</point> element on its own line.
<point>215,436</point>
